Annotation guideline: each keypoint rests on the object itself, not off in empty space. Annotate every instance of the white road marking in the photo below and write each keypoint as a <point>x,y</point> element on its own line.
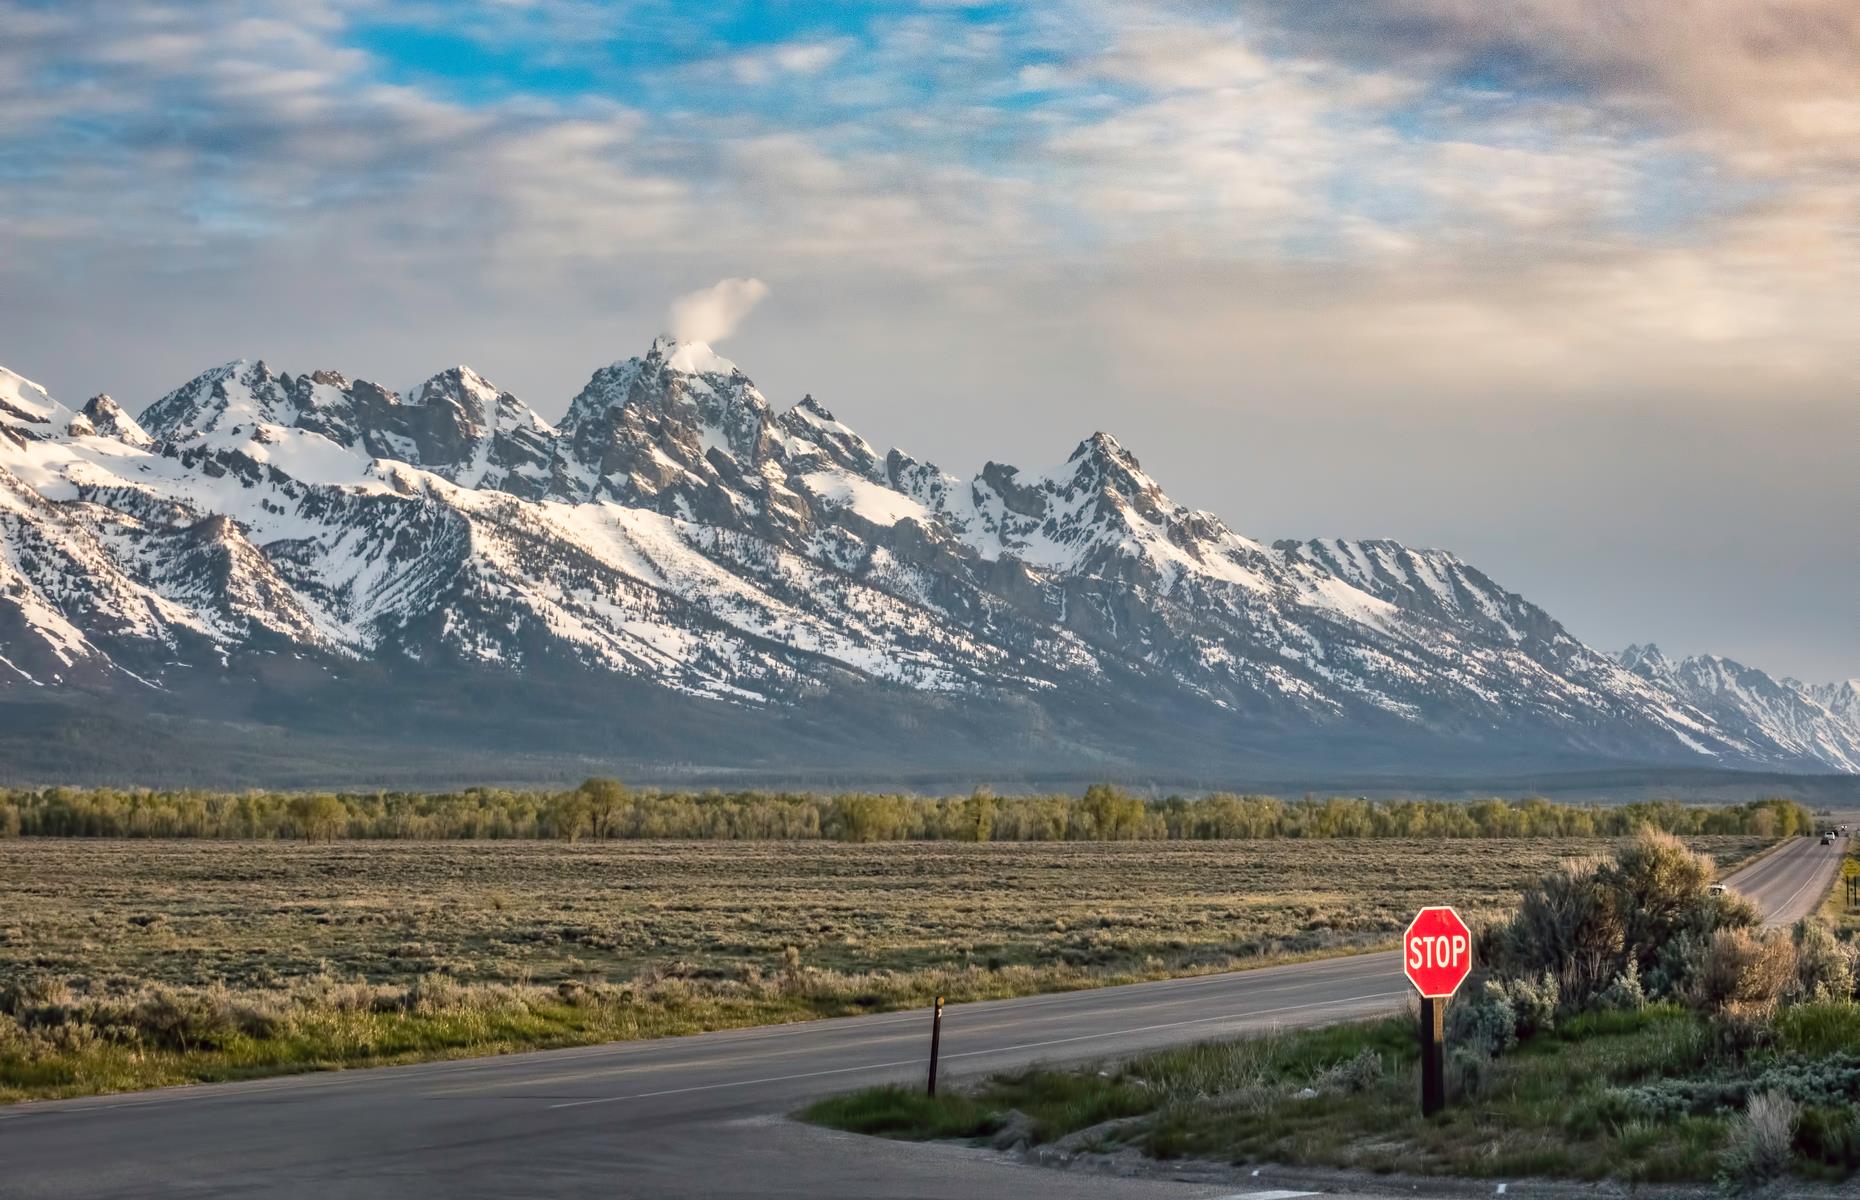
<point>1083,1037</point>
<point>1784,906</point>
<point>1280,1195</point>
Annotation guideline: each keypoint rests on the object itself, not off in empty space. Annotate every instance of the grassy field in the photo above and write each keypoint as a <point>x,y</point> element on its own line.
<point>133,963</point>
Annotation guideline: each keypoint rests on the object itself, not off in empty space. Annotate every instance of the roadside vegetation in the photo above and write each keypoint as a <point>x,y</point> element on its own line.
<point>1627,1023</point>
<point>130,963</point>
<point>604,810</point>
<point>1841,910</point>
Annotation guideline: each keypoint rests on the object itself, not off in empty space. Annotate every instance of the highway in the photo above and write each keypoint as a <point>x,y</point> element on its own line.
<point>1791,883</point>
<point>693,1116</point>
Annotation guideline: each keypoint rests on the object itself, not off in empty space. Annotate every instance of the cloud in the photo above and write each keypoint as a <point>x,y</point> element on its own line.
<point>182,140</point>
<point>712,314</point>
<point>791,58</point>
<point>1143,217</point>
<point>1775,78</point>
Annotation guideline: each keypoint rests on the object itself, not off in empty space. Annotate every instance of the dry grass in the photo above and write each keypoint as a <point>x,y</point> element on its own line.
<point>159,961</point>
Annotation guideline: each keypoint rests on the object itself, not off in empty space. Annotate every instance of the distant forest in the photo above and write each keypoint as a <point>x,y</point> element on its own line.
<point>602,809</point>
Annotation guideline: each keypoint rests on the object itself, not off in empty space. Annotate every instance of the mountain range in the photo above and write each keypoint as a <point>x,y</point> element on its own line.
<point>679,574</point>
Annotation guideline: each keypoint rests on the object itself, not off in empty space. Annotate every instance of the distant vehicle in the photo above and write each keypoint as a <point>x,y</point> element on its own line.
<point>1718,889</point>
<point>1827,839</point>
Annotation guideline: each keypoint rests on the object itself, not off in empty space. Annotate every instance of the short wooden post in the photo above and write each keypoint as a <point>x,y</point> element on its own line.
<point>936,1040</point>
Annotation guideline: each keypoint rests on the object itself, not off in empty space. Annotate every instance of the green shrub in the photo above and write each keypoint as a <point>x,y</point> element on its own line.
<point>1645,917</point>
<point>906,1113</point>
<point>1625,993</point>
<point>1533,1004</point>
<point>1358,1073</point>
<point>1824,963</point>
<point>1819,1028</point>
<point>1483,1022</point>
<point>1469,1069</point>
<point>1060,1102</point>
<point>33,991</point>
<point>429,994</point>
<point>1829,1136</point>
<point>182,1020</point>
<point>1566,922</point>
<point>1762,1140</point>
<point>1742,975</point>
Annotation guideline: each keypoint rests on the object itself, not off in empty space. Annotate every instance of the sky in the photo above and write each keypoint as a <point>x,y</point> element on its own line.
<point>1566,286</point>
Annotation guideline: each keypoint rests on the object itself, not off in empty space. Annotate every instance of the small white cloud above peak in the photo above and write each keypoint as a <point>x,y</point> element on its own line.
<point>712,314</point>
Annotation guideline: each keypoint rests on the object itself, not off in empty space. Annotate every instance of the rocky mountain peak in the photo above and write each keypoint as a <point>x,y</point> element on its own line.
<point>468,399</point>
<point>453,385</point>
<point>1841,698</point>
<point>680,381</point>
<point>23,402</point>
<point>1437,583</point>
<point>689,357</point>
<point>809,423</point>
<point>108,419</point>
<point>1647,660</point>
<point>240,394</point>
<point>1102,450</point>
<point>1101,464</point>
<point>676,416</point>
<point>1026,500</point>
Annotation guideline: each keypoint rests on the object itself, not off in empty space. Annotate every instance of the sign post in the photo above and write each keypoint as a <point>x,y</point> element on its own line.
<point>936,1040</point>
<point>1436,955</point>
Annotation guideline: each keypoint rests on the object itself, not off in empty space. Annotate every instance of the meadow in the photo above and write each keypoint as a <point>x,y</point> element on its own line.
<point>129,963</point>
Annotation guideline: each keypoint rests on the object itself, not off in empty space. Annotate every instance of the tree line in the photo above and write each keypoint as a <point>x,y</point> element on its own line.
<point>603,809</point>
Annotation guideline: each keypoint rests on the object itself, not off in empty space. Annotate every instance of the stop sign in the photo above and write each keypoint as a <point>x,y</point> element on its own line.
<point>1436,952</point>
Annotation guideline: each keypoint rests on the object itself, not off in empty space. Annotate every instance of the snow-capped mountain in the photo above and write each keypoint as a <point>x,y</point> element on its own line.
<point>1814,723</point>
<point>291,535</point>
<point>1842,699</point>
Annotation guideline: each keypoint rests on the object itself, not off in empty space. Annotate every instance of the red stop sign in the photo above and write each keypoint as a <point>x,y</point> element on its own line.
<point>1436,952</point>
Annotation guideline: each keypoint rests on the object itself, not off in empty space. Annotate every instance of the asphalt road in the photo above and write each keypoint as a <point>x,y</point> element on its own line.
<point>694,1116</point>
<point>1792,882</point>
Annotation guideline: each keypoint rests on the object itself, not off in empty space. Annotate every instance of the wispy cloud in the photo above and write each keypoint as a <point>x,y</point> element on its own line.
<point>791,58</point>
<point>712,314</point>
<point>1097,207</point>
